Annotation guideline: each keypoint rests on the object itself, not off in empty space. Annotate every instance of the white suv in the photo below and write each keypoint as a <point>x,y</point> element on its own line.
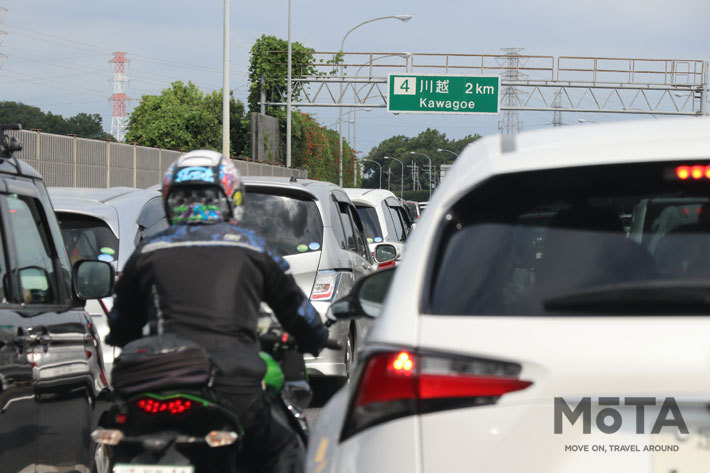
<point>383,216</point>
<point>535,331</point>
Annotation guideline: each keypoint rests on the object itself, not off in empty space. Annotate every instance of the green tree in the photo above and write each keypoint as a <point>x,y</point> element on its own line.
<point>315,148</point>
<point>400,147</point>
<point>83,125</point>
<point>269,59</point>
<point>184,118</point>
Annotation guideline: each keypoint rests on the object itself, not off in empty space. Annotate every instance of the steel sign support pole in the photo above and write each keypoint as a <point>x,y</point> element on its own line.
<point>288,95</point>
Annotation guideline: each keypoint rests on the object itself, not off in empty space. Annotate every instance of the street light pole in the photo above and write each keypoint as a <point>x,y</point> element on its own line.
<point>416,152</point>
<point>401,182</point>
<point>404,18</point>
<point>447,151</point>
<point>225,82</point>
<point>373,161</point>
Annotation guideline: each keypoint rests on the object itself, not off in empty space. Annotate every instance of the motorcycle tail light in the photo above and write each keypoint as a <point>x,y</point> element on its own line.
<point>172,405</point>
<point>221,438</point>
<point>107,436</point>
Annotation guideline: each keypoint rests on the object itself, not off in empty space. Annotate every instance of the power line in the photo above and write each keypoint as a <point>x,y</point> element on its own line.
<point>106,51</point>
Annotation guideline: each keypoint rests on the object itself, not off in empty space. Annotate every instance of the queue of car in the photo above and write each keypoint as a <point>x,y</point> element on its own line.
<point>558,304</point>
<point>51,371</point>
<point>559,274</point>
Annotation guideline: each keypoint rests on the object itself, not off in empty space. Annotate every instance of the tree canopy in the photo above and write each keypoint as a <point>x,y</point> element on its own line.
<point>428,142</point>
<point>269,60</point>
<point>83,125</point>
<point>185,118</point>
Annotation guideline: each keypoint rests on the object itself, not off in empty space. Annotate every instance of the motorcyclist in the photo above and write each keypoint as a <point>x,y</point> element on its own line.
<point>204,279</point>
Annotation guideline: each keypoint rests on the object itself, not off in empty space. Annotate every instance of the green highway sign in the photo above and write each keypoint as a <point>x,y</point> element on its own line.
<point>409,93</point>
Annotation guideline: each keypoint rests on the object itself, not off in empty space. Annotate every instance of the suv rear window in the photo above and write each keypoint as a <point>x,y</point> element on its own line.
<point>87,237</point>
<point>370,222</point>
<point>290,223</point>
<point>618,239</point>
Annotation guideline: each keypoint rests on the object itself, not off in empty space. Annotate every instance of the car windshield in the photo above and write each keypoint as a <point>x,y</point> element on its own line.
<point>368,215</point>
<point>606,239</point>
<point>290,224</point>
<point>87,237</point>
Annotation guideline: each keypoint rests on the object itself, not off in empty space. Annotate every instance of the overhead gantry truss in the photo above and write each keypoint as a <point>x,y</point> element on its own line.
<point>530,83</point>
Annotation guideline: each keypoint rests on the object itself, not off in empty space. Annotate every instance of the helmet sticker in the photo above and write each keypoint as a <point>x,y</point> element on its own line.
<point>195,173</point>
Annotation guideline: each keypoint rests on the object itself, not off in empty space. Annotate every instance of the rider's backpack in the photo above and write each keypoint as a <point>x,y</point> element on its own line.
<point>160,362</point>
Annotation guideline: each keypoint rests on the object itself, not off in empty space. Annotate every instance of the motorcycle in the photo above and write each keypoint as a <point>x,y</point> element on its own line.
<point>186,428</point>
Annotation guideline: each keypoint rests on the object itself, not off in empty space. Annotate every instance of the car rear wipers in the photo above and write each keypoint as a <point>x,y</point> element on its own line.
<point>684,296</point>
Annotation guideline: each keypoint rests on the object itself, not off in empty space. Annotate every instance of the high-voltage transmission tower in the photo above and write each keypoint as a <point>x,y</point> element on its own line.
<point>557,115</point>
<point>119,99</point>
<point>510,95</point>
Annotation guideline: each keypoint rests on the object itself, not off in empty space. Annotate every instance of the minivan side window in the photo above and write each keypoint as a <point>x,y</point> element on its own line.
<point>347,227</point>
<point>337,225</point>
<point>400,234</point>
<point>360,242</point>
<point>151,219</point>
<point>35,259</point>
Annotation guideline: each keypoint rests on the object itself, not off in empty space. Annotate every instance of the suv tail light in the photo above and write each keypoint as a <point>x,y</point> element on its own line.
<point>402,383</point>
<point>325,286</point>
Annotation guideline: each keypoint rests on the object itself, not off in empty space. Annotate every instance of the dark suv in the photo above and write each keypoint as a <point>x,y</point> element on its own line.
<point>51,371</point>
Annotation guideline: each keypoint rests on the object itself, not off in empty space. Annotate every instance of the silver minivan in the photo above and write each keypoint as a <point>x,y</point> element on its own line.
<point>315,227</point>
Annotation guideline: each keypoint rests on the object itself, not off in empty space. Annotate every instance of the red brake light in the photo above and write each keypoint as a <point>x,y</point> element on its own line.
<point>398,384</point>
<point>696,172</point>
<point>172,406</point>
<point>386,379</point>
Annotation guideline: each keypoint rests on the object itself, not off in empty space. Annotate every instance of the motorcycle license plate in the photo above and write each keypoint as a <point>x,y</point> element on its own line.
<point>126,468</point>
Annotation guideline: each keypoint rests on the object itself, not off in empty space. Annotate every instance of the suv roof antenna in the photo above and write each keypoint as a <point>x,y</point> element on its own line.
<point>293,178</point>
<point>9,144</point>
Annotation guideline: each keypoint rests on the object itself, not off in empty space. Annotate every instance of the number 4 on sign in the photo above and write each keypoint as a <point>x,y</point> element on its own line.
<point>405,85</point>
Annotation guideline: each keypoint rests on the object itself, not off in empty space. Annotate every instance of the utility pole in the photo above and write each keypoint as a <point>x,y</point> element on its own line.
<point>225,82</point>
<point>3,10</point>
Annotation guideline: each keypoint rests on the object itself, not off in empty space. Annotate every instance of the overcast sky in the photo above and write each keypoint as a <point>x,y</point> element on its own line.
<point>58,52</point>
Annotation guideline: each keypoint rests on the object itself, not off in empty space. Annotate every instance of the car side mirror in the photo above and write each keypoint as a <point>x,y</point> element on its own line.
<point>365,299</point>
<point>385,253</point>
<point>92,279</point>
